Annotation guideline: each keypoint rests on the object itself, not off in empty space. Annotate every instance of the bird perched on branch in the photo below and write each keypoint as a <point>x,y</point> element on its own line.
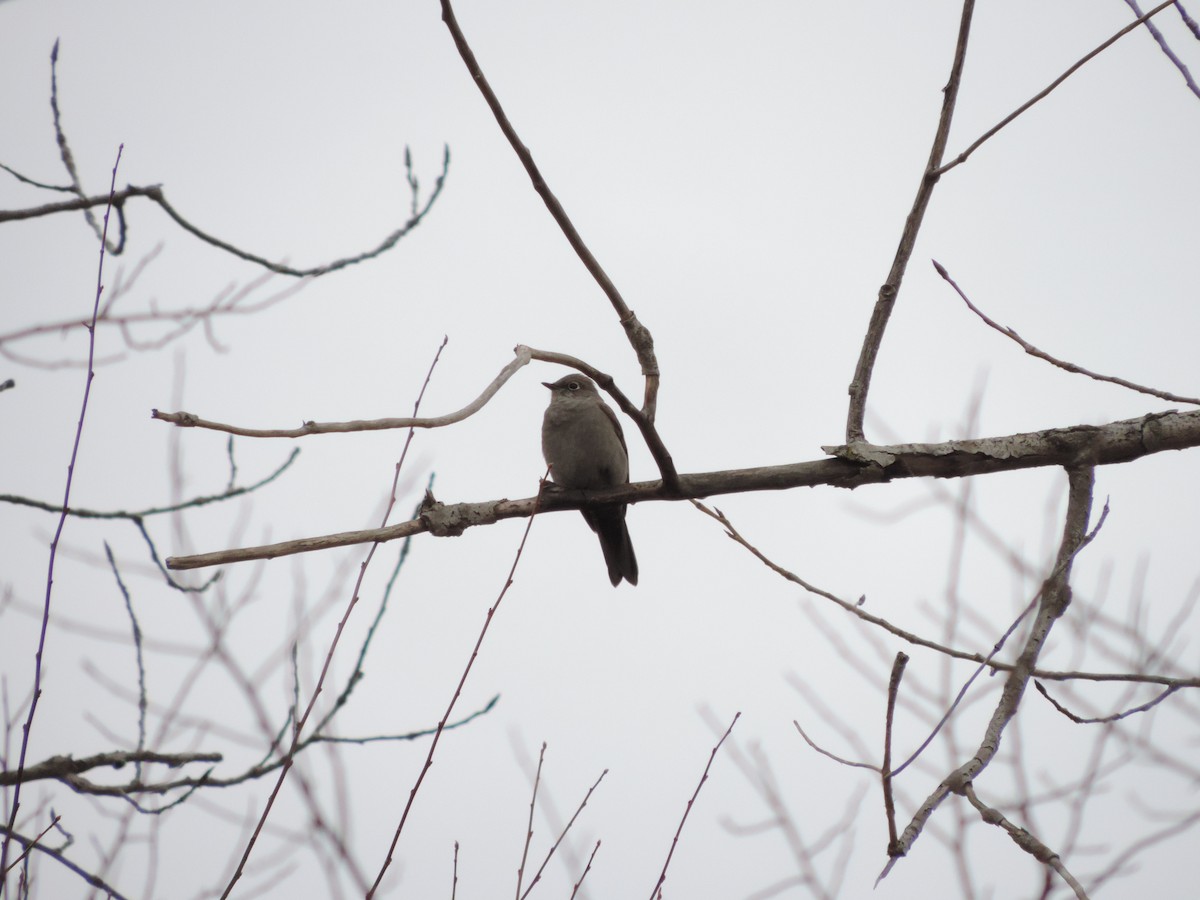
<point>583,443</point>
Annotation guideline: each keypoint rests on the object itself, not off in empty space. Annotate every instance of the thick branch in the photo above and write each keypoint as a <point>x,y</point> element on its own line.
<point>853,466</point>
<point>64,766</point>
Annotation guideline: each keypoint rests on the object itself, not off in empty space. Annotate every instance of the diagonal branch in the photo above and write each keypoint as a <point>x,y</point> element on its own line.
<point>889,290</point>
<point>1054,361</point>
<point>991,132</point>
<point>639,336</point>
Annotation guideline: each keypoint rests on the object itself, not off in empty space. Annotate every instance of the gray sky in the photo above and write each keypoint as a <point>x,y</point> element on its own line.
<point>743,172</point>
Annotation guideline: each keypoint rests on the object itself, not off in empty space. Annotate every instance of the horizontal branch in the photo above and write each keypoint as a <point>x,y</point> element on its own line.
<point>64,766</point>
<point>852,466</point>
<point>155,194</point>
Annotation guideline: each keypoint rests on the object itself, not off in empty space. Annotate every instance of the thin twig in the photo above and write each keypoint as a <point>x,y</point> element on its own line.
<point>154,510</point>
<point>1165,47</point>
<point>833,756</point>
<point>1103,719</point>
<point>58,531</point>
<point>586,869</point>
<point>537,780</point>
<point>93,881</point>
<point>1055,361</point>
<point>188,420</point>
<point>696,793</point>
<point>991,132</point>
<point>562,835</point>
<point>412,794</point>
<point>138,657</point>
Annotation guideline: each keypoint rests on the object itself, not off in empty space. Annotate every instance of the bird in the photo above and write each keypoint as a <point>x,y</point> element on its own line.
<point>585,448</point>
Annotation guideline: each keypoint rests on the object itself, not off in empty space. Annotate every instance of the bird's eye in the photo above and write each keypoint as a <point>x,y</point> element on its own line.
<point>572,385</point>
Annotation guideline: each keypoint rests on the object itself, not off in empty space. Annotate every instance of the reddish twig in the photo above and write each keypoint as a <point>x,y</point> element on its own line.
<point>586,869</point>
<point>696,793</point>
<point>537,780</point>
<point>562,835</point>
<point>412,794</point>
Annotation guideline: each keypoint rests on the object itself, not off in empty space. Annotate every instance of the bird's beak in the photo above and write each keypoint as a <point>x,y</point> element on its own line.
<point>547,384</point>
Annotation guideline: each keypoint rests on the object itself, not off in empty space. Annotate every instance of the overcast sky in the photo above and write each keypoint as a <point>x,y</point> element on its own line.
<point>742,171</point>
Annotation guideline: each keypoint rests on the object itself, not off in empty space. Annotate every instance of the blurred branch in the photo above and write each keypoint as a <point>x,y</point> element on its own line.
<point>1025,839</point>
<point>355,592</point>
<point>231,300</point>
<point>63,767</point>
<point>1055,597</point>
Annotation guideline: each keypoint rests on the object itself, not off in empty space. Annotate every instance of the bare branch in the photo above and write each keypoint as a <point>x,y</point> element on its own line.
<point>1062,364</point>
<point>889,803</point>
<point>890,289</point>
<point>62,521</point>
<point>639,336</point>
<point>562,835</point>
<point>1166,49</point>
<point>991,132</point>
<point>1026,840</point>
<point>1055,596</point>
<point>412,794</point>
<point>1099,720</point>
<point>833,756</point>
<point>187,420</point>
<point>93,880</point>
<point>856,465</point>
<point>656,892</point>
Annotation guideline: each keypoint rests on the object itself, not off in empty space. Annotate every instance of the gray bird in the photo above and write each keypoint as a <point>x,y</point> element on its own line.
<point>583,443</point>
